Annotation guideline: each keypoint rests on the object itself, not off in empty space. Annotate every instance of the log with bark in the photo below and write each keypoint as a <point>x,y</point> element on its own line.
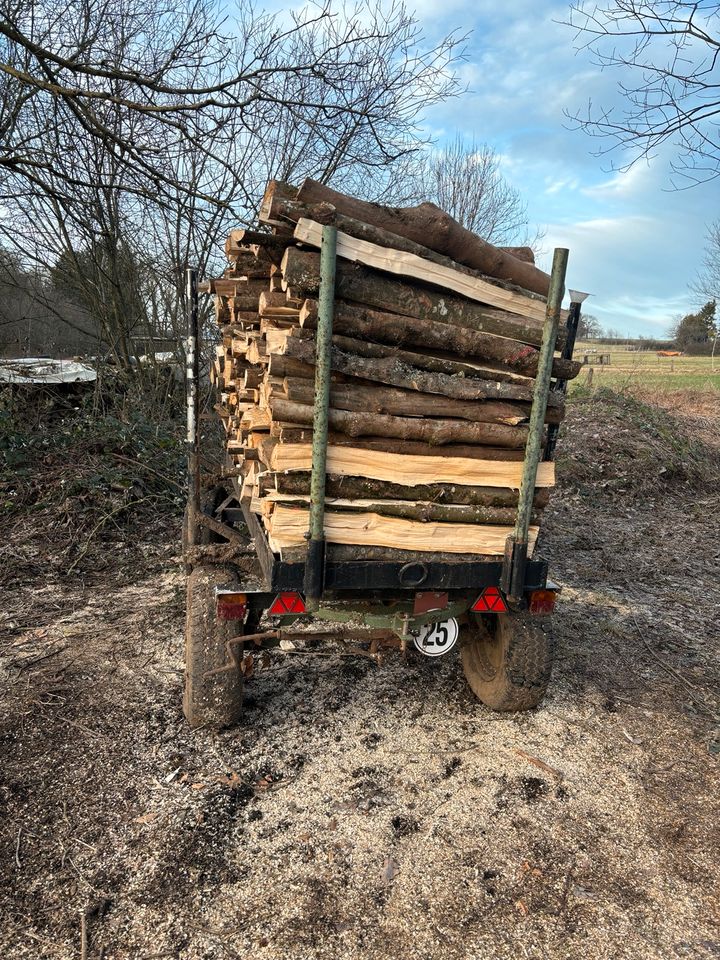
<point>360,284</point>
<point>281,208</point>
<point>290,433</point>
<point>433,359</point>
<point>430,226</point>
<point>377,326</point>
<point>433,431</point>
<point>406,509</point>
<point>394,372</point>
<point>349,487</point>
<point>411,267</point>
<point>371,398</point>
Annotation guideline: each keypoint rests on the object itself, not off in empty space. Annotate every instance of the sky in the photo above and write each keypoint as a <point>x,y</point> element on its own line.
<point>635,243</point>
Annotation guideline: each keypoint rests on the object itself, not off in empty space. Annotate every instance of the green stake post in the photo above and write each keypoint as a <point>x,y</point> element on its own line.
<point>516,548</point>
<point>315,562</point>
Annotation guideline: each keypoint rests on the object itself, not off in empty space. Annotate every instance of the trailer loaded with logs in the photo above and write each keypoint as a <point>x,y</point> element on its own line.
<point>390,387</point>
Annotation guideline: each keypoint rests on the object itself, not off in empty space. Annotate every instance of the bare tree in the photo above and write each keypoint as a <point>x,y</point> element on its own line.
<point>466,180</point>
<point>176,74</point>
<point>668,54</point>
<point>137,133</point>
<point>707,285</point>
<point>589,327</point>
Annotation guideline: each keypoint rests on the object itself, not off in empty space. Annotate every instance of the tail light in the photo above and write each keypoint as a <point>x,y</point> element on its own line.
<point>230,605</point>
<point>490,601</point>
<point>542,602</point>
<point>286,604</point>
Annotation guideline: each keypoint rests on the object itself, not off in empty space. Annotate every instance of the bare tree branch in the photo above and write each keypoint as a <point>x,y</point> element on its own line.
<point>466,180</point>
<point>670,51</point>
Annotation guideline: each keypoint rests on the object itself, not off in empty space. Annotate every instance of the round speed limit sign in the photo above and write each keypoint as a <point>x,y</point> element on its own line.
<point>435,639</point>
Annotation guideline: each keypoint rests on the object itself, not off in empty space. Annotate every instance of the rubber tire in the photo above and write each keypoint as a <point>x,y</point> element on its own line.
<point>507,659</point>
<point>216,701</point>
<point>210,501</point>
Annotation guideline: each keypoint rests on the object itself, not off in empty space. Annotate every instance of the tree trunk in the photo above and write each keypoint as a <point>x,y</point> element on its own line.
<point>428,223</point>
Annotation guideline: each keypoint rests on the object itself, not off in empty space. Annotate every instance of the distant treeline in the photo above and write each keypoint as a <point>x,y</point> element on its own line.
<point>634,343</point>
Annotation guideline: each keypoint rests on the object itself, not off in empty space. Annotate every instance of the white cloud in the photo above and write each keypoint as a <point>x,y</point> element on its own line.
<point>624,183</point>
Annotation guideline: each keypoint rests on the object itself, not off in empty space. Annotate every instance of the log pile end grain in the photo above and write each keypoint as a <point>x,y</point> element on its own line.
<point>436,338</point>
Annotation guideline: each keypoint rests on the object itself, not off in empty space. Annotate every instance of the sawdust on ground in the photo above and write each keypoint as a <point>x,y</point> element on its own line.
<point>371,813</point>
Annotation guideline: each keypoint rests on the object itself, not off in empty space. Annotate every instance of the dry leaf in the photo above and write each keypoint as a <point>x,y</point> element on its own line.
<point>229,779</point>
<point>247,666</point>
<point>146,817</point>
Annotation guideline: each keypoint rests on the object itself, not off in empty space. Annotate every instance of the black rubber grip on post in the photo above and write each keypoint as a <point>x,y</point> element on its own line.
<point>315,569</point>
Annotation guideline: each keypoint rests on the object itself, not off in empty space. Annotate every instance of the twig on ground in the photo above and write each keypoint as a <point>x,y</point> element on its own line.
<point>101,523</point>
<point>30,663</point>
<point>540,763</point>
<point>83,935</point>
<point>147,469</point>
<point>691,688</point>
<point>17,849</point>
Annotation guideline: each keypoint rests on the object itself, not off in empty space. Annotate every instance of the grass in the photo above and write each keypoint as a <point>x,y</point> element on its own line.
<point>645,369</point>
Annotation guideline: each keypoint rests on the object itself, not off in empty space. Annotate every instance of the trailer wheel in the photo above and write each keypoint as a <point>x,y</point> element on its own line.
<point>209,502</point>
<point>210,701</point>
<point>507,660</point>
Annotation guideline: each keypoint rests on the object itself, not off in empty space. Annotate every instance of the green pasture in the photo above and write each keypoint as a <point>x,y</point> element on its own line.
<point>644,368</point>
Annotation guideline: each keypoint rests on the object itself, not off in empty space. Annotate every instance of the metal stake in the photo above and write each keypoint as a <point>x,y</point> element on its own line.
<point>192,380</point>
<point>315,562</point>
<point>571,326</point>
<point>516,547</point>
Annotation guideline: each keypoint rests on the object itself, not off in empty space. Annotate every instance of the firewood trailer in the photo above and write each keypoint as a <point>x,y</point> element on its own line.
<point>243,596</point>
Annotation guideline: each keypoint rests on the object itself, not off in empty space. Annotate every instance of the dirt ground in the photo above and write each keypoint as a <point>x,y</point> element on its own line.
<point>371,813</point>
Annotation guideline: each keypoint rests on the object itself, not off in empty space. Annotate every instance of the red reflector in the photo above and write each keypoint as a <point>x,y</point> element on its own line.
<point>490,601</point>
<point>542,601</point>
<point>286,603</point>
<point>231,606</point>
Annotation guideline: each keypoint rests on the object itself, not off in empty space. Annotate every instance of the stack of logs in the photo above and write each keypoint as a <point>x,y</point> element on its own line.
<point>436,338</point>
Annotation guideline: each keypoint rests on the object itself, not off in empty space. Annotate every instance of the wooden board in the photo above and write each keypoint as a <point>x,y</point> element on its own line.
<point>409,265</point>
<point>409,470</point>
<point>287,528</point>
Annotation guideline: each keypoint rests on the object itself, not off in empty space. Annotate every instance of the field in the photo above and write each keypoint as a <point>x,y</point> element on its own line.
<point>631,368</point>
<point>358,812</point>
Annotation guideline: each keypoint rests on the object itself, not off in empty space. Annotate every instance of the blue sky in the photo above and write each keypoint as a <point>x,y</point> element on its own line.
<point>635,244</point>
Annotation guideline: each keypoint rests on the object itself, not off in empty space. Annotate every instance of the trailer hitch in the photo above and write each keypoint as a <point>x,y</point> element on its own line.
<point>378,640</point>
